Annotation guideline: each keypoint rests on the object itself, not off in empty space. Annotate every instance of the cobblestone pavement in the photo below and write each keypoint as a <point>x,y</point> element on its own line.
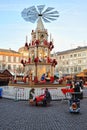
<point>18,115</point>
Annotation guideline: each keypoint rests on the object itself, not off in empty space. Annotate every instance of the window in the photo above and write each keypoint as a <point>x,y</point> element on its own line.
<point>14,59</point>
<point>75,69</point>
<point>9,59</point>
<point>79,69</point>
<point>79,54</point>
<point>71,70</point>
<point>71,56</point>
<point>83,53</point>
<point>9,67</point>
<point>79,61</point>
<point>75,55</point>
<point>14,67</point>
<point>4,58</point>
<point>67,69</point>
<point>19,59</point>
<point>3,66</point>
<point>60,57</point>
<point>0,67</point>
<point>63,57</point>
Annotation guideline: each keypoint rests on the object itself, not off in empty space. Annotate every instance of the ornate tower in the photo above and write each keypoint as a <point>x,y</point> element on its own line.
<point>39,48</point>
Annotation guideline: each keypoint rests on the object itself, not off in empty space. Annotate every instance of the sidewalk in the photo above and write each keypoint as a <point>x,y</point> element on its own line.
<point>20,116</point>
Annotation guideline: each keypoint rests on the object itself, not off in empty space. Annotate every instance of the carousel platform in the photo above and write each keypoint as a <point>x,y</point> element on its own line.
<point>29,85</point>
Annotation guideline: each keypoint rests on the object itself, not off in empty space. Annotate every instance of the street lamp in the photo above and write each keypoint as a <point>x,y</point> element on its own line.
<point>36,60</point>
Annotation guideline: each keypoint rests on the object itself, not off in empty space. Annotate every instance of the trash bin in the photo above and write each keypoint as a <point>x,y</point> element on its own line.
<point>1,92</point>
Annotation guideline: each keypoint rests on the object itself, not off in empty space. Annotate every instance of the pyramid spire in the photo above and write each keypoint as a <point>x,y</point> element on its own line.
<point>40,25</point>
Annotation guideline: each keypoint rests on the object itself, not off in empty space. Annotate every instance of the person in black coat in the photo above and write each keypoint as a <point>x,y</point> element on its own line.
<point>32,94</point>
<point>47,98</point>
<point>77,90</point>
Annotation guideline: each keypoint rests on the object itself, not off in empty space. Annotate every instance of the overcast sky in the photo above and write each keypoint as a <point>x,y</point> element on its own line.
<point>68,31</point>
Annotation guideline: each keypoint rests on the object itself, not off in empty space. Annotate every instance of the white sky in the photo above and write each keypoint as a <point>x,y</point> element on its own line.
<point>68,31</point>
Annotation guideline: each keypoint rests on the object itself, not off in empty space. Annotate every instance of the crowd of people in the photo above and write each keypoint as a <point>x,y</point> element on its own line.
<point>77,85</point>
<point>75,82</point>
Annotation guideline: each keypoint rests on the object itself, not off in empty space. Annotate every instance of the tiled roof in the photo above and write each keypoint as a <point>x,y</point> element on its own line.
<point>8,50</point>
<point>5,72</point>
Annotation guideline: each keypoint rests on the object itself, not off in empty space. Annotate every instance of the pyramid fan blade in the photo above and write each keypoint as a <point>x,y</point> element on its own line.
<point>45,20</point>
<point>48,15</point>
<point>23,13</point>
<point>53,12</point>
<point>40,8</point>
<point>31,8</point>
<point>32,13</point>
<point>48,9</point>
<point>52,19</point>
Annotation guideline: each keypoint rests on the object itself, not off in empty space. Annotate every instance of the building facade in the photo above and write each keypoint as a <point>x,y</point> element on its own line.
<point>11,60</point>
<point>71,61</point>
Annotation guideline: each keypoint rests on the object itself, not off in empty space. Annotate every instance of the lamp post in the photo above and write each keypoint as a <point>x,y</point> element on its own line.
<point>36,60</point>
<point>54,63</point>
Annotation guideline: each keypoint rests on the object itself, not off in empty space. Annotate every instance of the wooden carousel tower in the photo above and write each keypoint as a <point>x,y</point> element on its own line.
<point>39,49</point>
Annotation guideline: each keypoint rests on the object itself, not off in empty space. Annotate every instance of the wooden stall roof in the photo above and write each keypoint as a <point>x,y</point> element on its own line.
<point>4,73</point>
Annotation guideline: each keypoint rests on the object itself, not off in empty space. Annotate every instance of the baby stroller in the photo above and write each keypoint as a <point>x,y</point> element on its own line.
<point>74,102</point>
<point>74,105</point>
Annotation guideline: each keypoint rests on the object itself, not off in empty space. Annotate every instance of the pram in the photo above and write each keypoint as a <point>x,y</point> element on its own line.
<point>74,103</point>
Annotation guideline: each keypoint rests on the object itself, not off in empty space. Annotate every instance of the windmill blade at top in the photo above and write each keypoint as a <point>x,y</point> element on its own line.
<point>48,9</point>
<point>52,19</point>
<point>45,20</point>
<point>31,14</point>
<point>40,8</point>
<point>53,12</point>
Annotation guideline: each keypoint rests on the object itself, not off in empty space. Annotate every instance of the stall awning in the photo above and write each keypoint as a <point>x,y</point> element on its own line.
<point>82,74</point>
